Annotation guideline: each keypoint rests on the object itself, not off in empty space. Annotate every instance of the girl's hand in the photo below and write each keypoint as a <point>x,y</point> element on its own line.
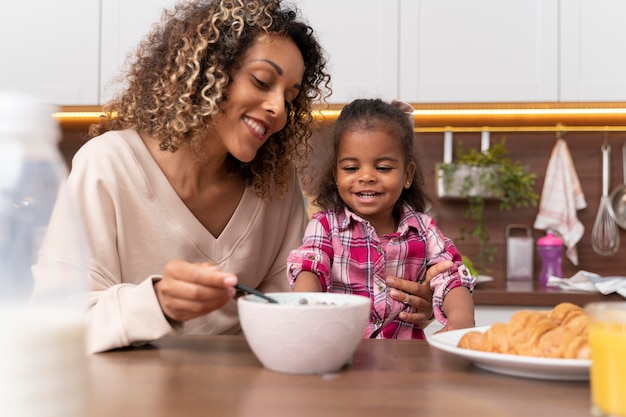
<point>189,290</point>
<point>418,296</point>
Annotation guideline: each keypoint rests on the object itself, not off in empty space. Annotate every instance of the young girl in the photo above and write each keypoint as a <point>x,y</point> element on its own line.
<point>373,225</point>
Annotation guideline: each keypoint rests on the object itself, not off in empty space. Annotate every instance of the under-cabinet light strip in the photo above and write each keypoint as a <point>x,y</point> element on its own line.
<point>331,114</point>
<point>453,112</point>
<point>554,128</point>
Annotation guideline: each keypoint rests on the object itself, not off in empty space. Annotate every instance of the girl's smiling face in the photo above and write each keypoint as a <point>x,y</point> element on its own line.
<point>371,173</point>
<point>266,82</point>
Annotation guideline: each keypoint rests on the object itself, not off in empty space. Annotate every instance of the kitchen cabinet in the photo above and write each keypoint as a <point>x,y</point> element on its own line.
<point>421,51</point>
<point>509,50</point>
<point>478,51</point>
<point>51,49</point>
<point>360,38</point>
<point>124,23</point>
<point>592,62</point>
<point>439,51</point>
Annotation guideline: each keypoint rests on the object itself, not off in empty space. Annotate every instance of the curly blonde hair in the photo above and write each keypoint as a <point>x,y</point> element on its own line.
<point>179,75</point>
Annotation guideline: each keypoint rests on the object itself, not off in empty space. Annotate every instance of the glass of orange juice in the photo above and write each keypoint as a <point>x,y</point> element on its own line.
<point>607,339</point>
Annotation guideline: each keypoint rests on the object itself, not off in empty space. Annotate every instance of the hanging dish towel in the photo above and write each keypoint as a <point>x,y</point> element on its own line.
<point>561,198</point>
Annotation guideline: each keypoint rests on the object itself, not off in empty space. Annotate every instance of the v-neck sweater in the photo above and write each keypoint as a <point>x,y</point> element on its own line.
<point>135,223</point>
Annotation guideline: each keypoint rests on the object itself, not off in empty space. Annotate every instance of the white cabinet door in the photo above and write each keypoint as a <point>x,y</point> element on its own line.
<point>593,39</point>
<point>360,38</point>
<point>124,23</point>
<point>51,49</point>
<point>478,51</point>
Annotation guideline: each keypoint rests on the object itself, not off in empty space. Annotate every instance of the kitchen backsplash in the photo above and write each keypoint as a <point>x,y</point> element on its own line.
<point>531,148</point>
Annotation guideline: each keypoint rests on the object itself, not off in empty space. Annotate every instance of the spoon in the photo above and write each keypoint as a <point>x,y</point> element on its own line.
<point>249,290</point>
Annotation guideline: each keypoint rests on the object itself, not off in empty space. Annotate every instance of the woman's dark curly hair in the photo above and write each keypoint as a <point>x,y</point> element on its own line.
<point>181,71</point>
<point>374,115</point>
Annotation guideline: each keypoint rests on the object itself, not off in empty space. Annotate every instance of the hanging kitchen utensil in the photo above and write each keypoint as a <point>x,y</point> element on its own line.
<point>447,147</point>
<point>617,208</point>
<point>605,234</point>
<point>485,141</point>
<point>447,184</point>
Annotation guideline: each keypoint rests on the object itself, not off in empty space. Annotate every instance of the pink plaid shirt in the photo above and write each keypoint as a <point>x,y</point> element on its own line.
<point>344,251</point>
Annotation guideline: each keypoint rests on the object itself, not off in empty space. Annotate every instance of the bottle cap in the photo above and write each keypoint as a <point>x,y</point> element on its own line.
<point>28,115</point>
<point>549,240</point>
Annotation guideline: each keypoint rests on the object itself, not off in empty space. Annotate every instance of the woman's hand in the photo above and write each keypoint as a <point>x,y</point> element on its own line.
<point>189,290</point>
<point>418,296</point>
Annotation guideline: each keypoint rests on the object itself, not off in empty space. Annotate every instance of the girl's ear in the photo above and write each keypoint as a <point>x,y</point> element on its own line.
<point>408,175</point>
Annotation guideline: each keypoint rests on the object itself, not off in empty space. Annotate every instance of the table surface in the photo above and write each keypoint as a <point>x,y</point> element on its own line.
<point>219,376</point>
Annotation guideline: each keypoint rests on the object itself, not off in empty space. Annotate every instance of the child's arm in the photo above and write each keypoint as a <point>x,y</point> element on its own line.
<point>458,307</point>
<point>307,282</point>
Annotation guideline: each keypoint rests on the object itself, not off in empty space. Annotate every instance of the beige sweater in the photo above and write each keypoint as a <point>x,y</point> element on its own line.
<point>135,223</point>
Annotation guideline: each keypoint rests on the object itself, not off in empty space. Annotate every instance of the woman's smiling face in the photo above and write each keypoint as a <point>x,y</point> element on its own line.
<point>267,81</point>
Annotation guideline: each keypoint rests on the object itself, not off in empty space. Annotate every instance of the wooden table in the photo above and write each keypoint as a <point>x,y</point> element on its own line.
<point>219,376</point>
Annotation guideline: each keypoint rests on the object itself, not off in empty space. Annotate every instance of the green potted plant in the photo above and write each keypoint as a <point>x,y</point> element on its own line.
<point>478,176</point>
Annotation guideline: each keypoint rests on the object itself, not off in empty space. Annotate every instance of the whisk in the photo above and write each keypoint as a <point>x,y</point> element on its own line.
<point>605,234</point>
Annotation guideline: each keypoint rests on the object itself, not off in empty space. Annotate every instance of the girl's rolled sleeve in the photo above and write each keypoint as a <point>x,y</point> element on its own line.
<point>441,284</point>
<point>443,248</point>
<point>314,255</point>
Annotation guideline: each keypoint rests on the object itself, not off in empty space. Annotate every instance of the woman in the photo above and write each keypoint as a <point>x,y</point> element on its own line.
<point>189,186</point>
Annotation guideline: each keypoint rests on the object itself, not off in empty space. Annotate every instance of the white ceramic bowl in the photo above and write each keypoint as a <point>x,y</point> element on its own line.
<point>318,337</point>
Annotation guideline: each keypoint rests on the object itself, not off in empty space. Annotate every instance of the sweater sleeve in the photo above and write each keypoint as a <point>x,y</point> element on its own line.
<point>119,314</point>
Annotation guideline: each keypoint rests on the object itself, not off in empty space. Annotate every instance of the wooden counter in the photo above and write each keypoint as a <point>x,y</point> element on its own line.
<point>520,293</point>
<point>219,376</point>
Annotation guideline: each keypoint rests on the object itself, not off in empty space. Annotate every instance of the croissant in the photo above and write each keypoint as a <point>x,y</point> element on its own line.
<point>558,333</point>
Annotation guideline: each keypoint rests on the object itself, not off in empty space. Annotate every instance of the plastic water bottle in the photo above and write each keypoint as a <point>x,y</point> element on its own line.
<point>550,249</point>
<point>31,172</point>
<point>42,353</point>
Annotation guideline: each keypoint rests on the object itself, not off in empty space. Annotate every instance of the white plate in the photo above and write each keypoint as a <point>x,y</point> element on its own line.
<point>513,365</point>
<point>483,278</point>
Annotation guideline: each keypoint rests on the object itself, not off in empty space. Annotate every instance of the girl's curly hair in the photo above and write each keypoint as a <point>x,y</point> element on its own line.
<point>375,115</point>
<point>181,70</point>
